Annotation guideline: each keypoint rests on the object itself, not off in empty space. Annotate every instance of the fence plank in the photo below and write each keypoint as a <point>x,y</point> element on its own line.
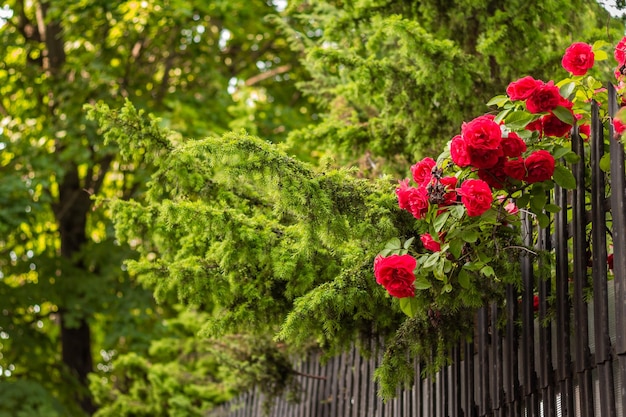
<point>579,222</point>
<point>599,271</point>
<point>564,368</point>
<point>618,213</point>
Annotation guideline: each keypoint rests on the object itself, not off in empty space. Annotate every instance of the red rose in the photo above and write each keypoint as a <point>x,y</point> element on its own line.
<point>430,243</point>
<point>475,196</point>
<point>482,133</point>
<point>536,126</point>
<point>458,151</point>
<point>553,126</point>
<point>618,127</point>
<point>578,58</point>
<point>522,88</point>
<point>609,261</point>
<point>545,98</point>
<point>515,168</point>
<point>513,146</point>
<point>422,171</point>
<point>412,199</point>
<point>494,176</point>
<point>620,52</point>
<point>484,158</point>
<point>395,273</point>
<point>539,166</point>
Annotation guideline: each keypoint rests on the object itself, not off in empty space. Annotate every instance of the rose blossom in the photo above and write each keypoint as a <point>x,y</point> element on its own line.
<point>553,126</point>
<point>515,168</point>
<point>422,170</point>
<point>412,199</point>
<point>539,166</point>
<point>484,158</point>
<point>618,127</point>
<point>430,243</point>
<point>458,151</point>
<point>578,58</point>
<point>494,176</point>
<point>513,146</point>
<point>482,132</point>
<point>545,98</point>
<point>522,88</point>
<point>620,52</point>
<point>475,196</point>
<point>395,273</point>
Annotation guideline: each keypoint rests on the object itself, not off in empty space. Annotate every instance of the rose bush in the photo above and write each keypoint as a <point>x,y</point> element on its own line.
<point>468,203</point>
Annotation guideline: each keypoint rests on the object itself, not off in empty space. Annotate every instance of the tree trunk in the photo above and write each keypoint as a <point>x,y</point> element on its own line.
<point>71,214</point>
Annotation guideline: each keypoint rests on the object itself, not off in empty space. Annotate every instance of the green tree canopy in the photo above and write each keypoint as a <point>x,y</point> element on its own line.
<point>67,306</point>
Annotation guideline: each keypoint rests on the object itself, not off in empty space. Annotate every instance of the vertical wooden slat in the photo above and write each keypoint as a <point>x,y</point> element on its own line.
<point>564,369</point>
<point>445,392</point>
<point>546,374</point>
<point>372,388</point>
<point>349,378</point>
<point>497,372</point>
<point>618,214</point>
<point>418,394</point>
<point>318,385</point>
<point>579,222</point>
<point>469,379</point>
<point>599,271</point>
<point>482,329</point>
<point>528,328</point>
<point>456,393</point>
<point>513,397</point>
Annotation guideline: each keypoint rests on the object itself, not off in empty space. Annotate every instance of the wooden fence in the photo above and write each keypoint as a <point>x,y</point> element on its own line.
<point>575,365</point>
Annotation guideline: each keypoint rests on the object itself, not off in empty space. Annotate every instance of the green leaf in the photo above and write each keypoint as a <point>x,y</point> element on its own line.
<point>543,220</point>
<point>560,151</point>
<point>600,55</point>
<point>409,306</point>
<point>565,115</point>
<point>499,101</point>
<point>552,208</point>
<point>564,177</point>
<point>519,119</point>
<point>523,200</point>
<point>537,202</point>
<point>440,221</point>
<point>597,45</point>
<point>393,244</point>
<point>457,211</point>
<point>605,162</point>
<point>422,283</point>
<point>470,236</point>
<point>407,243</point>
<point>456,247</point>
<point>571,158</point>
<point>567,89</point>
<point>487,271</point>
<point>432,260</point>
<point>464,278</point>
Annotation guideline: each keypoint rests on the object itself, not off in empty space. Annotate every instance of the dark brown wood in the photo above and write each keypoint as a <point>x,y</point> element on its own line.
<point>599,271</point>
<point>482,328</point>
<point>581,327</point>
<point>618,215</point>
